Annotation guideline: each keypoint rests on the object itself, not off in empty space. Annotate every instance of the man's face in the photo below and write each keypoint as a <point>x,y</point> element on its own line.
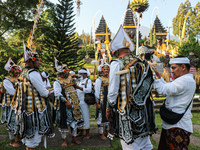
<point>16,72</point>
<point>84,75</point>
<point>37,63</point>
<point>177,70</point>
<point>106,71</point>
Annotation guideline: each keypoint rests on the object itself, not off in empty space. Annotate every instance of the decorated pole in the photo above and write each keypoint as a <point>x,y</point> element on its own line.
<point>94,25</point>
<point>36,18</point>
<point>137,35</point>
<point>139,6</point>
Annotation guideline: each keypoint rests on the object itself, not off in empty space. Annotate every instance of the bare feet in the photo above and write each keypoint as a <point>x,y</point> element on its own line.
<point>86,138</point>
<point>80,134</point>
<point>103,137</point>
<point>14,144</point>
<point>64,144</point>
<point>76,141</point>
<point>18,140</point>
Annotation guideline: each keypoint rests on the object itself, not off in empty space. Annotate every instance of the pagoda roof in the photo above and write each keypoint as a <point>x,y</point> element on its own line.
<point>128,19</point>
<point>158,26</point>
<point>102,26</point>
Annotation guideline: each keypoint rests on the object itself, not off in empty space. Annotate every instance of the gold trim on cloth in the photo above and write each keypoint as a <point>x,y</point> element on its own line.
<point>122,101</point>
<point>105,82</point>
<point>71,94</point>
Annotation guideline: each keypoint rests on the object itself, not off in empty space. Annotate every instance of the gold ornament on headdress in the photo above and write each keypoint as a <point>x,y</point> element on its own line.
<point>126,43</point>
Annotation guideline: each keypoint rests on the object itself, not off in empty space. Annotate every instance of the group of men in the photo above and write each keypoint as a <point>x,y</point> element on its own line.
<point>123,100</point>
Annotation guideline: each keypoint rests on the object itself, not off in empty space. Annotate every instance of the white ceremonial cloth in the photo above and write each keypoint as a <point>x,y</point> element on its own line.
<point>57,89</point>
<point>34,141</point>
<point>114,82</point>
<point>47,83</point>
<point>97,87</point>
<point>37,82</point>
<point>81,94</point>
<point>138,144</point>
<point>8,86</point>
<point>178,94</point>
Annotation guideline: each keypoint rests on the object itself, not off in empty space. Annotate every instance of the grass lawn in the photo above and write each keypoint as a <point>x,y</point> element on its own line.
<point>115,143</point>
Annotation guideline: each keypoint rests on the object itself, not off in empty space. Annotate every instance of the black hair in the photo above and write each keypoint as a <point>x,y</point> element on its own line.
<point>46,73</point>
<point>186,65</point>
<point>147,56</point>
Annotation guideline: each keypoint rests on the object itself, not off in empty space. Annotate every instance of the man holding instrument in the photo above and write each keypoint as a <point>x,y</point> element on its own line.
<point>179,95</point>
<point>129,93</point>
<point>66,104</point>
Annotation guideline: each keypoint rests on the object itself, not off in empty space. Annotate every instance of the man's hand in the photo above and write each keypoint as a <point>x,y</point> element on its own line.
<point>68,105</point>
<point>74,76</point>
<point>78,87</point>
<point>156,71</point>
<point>108,112</point>
<point>98,106</point>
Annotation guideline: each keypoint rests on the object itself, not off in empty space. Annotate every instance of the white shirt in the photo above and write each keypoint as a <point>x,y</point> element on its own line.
<point>57,89</point>
<point>81,94</point>
<point>114,82</point>
<point>47,83</point>
<point>178,94</point>
<point>9,86</point>
<point>37,82</point>
<point>97,88</point>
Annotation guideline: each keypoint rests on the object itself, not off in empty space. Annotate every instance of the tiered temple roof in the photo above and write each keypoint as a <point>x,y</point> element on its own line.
<point>158,26</point>
<point>102,26</point>
<point>128,19</point>
<point>100,32</point>
<point>129,24</point>
<point>161,32</point>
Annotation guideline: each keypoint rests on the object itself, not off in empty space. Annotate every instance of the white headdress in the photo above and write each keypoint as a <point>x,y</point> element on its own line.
<point>28,53</point>
<point>103,64</point>
<point>9,65</point>
<point>121,40</point>
<point>59,66</point>
<point>179,60</point>
<point>82,71</point>
<point>45,74</point>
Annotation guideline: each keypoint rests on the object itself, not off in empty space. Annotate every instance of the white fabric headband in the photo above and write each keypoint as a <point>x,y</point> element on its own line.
<point>82,71</point>
<point>183,60</point>
<point>44,75</point>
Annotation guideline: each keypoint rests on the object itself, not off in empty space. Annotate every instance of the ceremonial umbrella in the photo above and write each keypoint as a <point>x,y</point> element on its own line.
<point>95,62</point>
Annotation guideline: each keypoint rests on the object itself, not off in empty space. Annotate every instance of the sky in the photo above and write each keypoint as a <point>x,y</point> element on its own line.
<point>114,10</point>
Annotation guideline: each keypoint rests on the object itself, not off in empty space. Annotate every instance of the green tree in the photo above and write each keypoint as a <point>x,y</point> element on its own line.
<point>192,21</point>
<point>16,14</point>
<point>154,36</point>
<point>151,36</point>
<point>191,45</point>
<point>59,37</point>
<point>7,51</point>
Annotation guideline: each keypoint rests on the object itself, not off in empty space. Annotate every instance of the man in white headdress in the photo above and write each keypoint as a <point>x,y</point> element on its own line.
<point>36,120</point>
<point>8,91</point>
<point>83,86</point>
<point>179,95</point>
<point>129,94</point>
<point>101,92</point>
<point>66,104</point>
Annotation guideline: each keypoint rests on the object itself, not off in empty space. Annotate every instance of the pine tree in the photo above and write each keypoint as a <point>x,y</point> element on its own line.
<point>60,39</point>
